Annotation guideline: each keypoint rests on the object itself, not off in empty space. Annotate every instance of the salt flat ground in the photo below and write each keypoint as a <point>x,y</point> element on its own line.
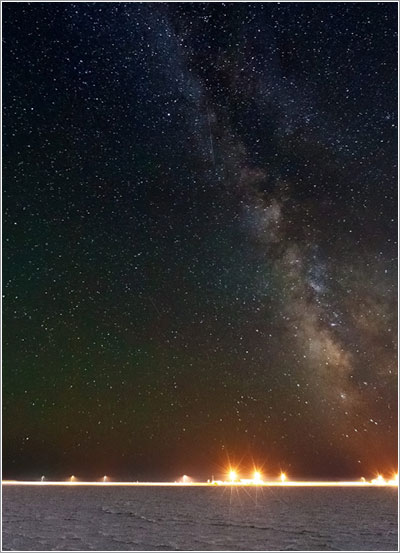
<point>163,519</point>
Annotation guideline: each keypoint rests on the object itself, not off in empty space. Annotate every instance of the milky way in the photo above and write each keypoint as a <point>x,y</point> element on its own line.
<point>199,238</point>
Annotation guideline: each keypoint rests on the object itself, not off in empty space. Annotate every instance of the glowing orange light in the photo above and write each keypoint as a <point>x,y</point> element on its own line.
<point>105,478</point>
<point>379,480</point>
<point>394,481</point>
<point>257,477</point>
<point>283,477</point>
<point>232,475</point>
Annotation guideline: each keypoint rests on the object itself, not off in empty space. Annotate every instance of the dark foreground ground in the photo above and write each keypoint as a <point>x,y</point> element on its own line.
<point>116,519</point>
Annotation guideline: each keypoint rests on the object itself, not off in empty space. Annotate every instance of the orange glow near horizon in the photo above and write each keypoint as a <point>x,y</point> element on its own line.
<point>394,481</point>
<point>233,475</point>
<point>232,480</point>
<point>257,477</point>
<point>239,483</point>
<point>378,480</point>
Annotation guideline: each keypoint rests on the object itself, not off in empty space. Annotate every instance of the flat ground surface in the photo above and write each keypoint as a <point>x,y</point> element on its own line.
<point>116,519</point>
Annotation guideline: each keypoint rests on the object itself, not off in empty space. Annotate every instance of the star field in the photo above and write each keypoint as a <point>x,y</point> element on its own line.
<point>199,238</point>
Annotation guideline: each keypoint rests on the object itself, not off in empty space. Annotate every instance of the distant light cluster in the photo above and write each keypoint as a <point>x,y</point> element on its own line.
<point>233,479</point>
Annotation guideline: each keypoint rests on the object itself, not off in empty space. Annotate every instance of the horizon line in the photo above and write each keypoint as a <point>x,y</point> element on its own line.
<point>215,483</point>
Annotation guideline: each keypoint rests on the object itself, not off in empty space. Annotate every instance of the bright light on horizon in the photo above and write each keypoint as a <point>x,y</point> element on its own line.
<point>232,475</point>
<point>395,479</point>
<point>379,480</point>
<point>257,476</point>
<point>233,479</point>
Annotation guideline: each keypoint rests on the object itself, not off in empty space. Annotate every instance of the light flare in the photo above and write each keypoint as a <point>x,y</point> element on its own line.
<point>239,483</point>
<point>232,478</point>
<point>394,481</point>
<point>379,480</point>
<point>257,477</point>
<point>233,475</point>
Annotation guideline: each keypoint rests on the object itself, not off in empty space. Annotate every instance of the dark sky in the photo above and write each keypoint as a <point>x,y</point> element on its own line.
<point>199,238</point>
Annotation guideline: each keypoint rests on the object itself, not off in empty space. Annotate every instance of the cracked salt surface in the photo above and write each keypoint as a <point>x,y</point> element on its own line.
<point>200,519</point>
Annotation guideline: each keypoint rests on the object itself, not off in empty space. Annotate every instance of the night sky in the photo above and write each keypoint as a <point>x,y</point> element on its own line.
<point>200,222</point>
